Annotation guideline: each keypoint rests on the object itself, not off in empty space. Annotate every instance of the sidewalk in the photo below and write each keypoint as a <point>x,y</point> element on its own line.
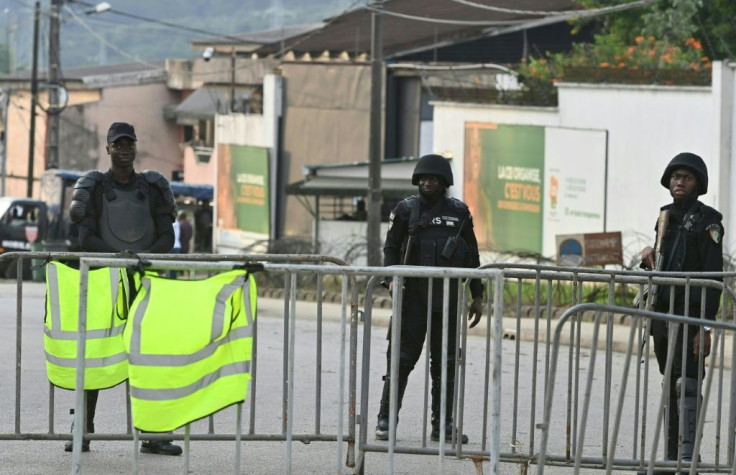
<point>524,328</point>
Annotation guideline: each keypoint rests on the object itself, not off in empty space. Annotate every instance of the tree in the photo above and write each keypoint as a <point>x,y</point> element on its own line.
<point>711,22</point>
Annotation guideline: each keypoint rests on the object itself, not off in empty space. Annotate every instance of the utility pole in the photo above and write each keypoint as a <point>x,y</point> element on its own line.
<point>11,32</point>
<point>4,157</point>
<point>376,142</point>
<point>34,99</point>
<point>53,77</point>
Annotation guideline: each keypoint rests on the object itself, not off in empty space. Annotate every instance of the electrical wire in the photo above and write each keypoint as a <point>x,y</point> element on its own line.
<point>164,23</point>
<point>19,107</point>
<point>593,11</point>
<point>349,8</point>
<point>562,16</point>
<point>508,10</point>
<point>406,16</point>
<point>107,43</point>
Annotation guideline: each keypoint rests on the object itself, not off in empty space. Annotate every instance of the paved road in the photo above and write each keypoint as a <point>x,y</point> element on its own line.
<point>258,457</point>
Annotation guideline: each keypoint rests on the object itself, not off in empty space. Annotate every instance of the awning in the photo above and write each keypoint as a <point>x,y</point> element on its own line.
<point>202,104</point>
<point>391,188</point>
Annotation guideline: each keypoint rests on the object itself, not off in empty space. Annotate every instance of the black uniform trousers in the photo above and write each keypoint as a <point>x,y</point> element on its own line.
<point>413,335</point>
<point>660,339</point>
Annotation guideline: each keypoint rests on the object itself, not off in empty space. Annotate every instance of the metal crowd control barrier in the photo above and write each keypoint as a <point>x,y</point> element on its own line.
<point>520,400</point>
<point>489,389</point>
<point>707,459</point>
<point>552,290</point>
<point>345,425</point>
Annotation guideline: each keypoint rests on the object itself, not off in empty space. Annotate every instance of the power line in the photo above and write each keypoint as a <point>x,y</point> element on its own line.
<point>328,23</point>
<point>592,11</point>
<point>442,21</point>
<point>163,23</point>
<point>104,40</point>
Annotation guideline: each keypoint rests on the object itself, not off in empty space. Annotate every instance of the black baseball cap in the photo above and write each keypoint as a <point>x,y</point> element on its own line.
<point>120,129</point>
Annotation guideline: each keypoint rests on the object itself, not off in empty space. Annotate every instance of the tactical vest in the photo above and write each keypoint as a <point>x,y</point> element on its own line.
<point>106,363</point>
<point>189,344</point>
<point>433,232</point>
<point>126,222</point>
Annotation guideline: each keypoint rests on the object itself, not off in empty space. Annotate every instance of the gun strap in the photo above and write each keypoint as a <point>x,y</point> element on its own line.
<point>691,216</point>
<point>413,204</point>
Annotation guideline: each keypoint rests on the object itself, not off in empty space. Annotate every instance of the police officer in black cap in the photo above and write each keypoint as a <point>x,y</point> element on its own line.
<point>692,243</point>
<point>430,230</point>
<point>122,210</point>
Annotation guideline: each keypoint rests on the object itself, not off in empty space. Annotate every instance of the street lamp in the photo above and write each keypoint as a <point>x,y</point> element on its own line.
<point>99,8</point>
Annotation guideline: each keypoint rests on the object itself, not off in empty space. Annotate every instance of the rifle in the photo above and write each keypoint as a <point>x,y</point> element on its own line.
<point>652,290</point>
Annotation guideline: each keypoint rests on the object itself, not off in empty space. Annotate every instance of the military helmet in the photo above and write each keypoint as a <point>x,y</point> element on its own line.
<point>693,163</point>
<point>433,165</point>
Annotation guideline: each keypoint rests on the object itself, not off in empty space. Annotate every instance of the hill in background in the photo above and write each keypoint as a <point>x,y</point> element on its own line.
<point>112,37</point>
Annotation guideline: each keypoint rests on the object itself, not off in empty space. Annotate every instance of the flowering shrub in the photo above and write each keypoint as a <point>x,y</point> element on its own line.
<point>648,61</point>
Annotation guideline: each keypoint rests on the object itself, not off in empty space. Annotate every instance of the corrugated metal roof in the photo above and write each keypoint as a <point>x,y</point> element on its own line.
<point>351,31</point>
<point>350,186</point>
<point>84,73</point>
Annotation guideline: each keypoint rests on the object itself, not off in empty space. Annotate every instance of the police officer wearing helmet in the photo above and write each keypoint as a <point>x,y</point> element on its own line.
<point>692,243</point>
<point>123,210</point>
<point>432,230</point>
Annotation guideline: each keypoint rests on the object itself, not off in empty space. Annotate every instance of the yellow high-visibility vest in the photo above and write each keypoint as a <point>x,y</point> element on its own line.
<point>189,345</point>
<point>106,363</point>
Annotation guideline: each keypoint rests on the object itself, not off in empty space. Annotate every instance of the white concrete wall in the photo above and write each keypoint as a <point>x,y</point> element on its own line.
<point>254,130</point>
<point>647,126</point>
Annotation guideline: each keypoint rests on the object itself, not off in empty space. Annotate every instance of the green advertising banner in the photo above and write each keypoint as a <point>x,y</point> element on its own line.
<point>243,189</point>
<point>503,185</point>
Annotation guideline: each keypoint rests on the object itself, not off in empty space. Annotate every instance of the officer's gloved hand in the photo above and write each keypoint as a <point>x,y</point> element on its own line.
<point>706,344</point>
<point>475,311</point>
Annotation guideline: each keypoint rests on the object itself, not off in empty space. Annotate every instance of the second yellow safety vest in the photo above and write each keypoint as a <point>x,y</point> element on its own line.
<point>189,345</point>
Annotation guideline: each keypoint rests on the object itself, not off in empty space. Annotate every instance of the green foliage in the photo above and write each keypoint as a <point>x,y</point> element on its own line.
<point>711,22</point>
<point>659,46</point>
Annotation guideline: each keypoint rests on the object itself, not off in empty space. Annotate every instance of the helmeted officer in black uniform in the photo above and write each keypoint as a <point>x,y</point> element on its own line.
<point>122,210</point>
<point>432,220</point>
<point>692,243</point>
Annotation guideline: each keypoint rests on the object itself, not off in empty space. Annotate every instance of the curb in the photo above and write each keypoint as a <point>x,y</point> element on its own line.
<point>385,302</point>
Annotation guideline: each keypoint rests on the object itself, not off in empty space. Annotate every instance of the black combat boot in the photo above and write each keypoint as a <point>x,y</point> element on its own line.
<point>160,447</point>
<point>436,400</point>
<point>383,408</point>
<point>91,404</point>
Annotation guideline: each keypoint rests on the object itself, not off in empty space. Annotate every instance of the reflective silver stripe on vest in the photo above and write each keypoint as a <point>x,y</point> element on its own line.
<point>232,369</point>
<point>88,362</point>
<point>91,334</point>
<point>137,358</point>
<point>183,360</point>
<point>56,333</point>
<point>220,304</point>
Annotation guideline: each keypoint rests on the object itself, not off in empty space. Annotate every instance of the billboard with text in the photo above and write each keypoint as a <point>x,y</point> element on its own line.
<point>525,184</point>
<point>243,210</point>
